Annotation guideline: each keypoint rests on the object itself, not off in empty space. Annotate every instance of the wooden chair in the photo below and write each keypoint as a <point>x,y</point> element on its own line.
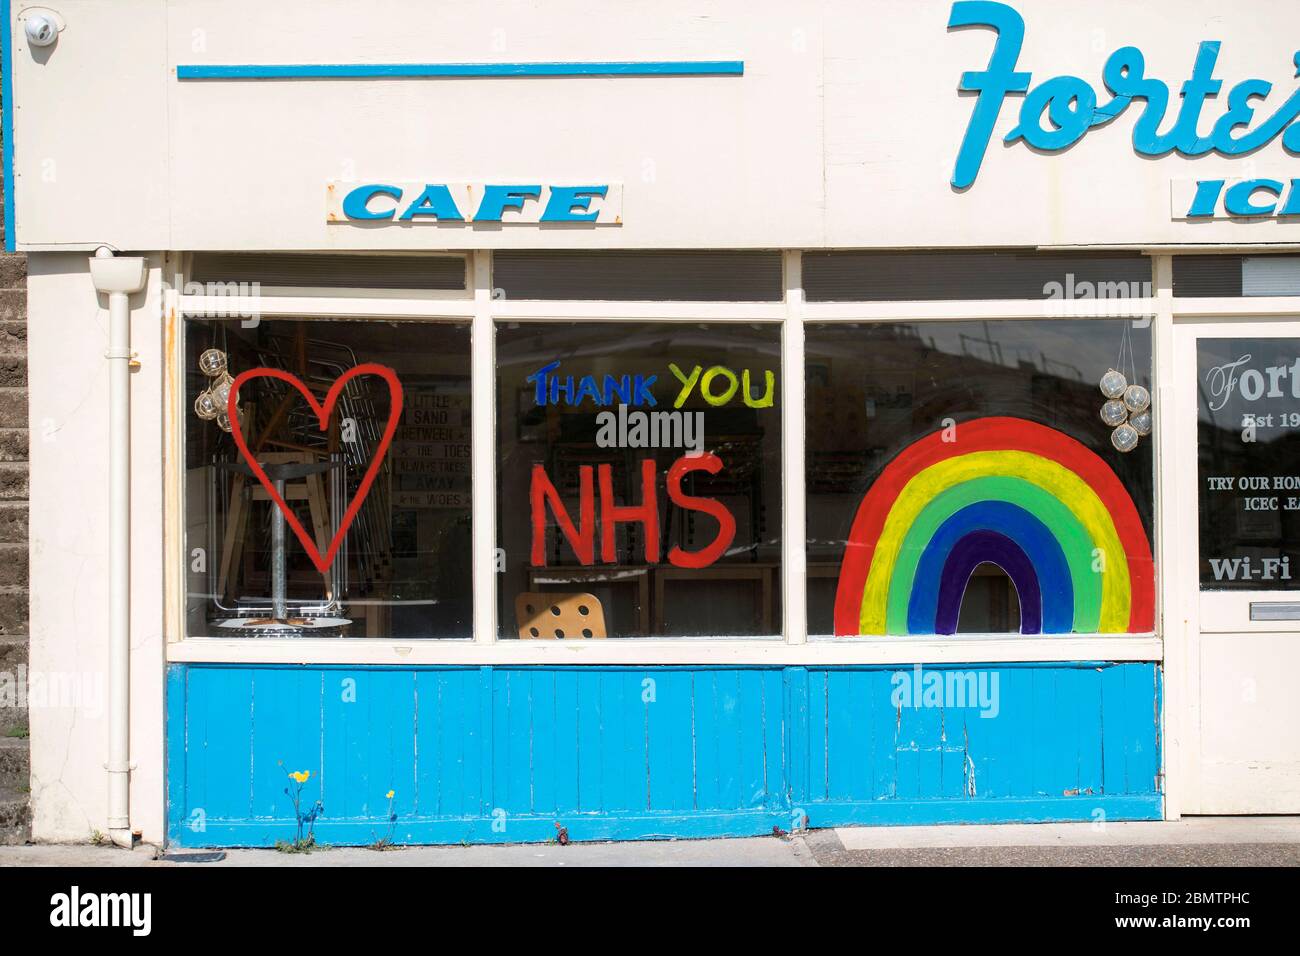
<point>556,616</point>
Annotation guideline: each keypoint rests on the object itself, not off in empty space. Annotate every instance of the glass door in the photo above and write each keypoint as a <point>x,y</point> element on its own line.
<point>1237,537</point>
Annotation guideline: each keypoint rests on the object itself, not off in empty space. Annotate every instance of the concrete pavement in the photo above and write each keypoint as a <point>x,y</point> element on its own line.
<point>1204,841</point>
<point>1194,841</point>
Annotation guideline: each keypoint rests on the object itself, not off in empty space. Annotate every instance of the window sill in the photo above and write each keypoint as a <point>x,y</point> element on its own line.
<point>645,652</point>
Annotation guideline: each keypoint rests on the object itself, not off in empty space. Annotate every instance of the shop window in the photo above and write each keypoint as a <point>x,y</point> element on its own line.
<point>934,276</point>
<point>370,534</point>
<point>639,276</point>
<point>268,273</point>
<point>1207,276</point>
<point>639,480</point>
<point>1249,463</point>
<point>1233,276</point>
<point>960,478</point>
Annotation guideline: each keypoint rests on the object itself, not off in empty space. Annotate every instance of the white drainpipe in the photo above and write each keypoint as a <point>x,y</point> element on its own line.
<point>119,278</point>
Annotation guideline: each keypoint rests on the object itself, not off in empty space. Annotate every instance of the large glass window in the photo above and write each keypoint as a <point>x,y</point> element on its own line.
<point>961,477</point>
<point>935,275</point>
<point>1222,276</point>
<point>1248,398</point>
<point>639,479</point>
<point>279,273</point>
<point>622,276</point>
<point>336,503</point>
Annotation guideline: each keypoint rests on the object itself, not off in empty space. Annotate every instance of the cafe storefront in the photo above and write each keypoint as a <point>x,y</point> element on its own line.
<point>495,423</point>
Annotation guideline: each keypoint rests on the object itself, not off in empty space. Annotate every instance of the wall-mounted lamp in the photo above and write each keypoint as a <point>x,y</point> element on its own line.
<point>41,27</point>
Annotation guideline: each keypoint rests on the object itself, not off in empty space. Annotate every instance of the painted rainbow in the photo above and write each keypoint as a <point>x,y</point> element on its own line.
<point>1027,498</point>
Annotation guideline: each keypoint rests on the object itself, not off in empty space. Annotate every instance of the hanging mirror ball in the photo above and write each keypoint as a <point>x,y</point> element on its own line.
<point>212,362</point>
<point>1141,423</point>
<point>1114,413</point>
<point>1124,438</point>
<point>1113,384</point>
<point>1136,398</point>
<point>223,422</point>
<point>205,406</point>
<point>221,389</point>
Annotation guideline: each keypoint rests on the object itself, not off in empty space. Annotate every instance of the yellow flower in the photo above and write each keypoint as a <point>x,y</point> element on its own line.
<point>302,776</point>
<point>390,794</point>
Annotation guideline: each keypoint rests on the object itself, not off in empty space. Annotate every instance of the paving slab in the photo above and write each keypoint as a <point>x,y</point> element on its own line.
<point>1190,830</point>
<point>1204,841</point>
<point>756,852</point>
<point>828,851</point>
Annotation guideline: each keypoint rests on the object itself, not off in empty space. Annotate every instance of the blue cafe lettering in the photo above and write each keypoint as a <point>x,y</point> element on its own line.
<point>373,202</point>
<point>1073,108</point>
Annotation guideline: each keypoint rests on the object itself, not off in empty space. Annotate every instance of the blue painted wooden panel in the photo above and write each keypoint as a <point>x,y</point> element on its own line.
<point>506,754</point>
<point>1047,732</point>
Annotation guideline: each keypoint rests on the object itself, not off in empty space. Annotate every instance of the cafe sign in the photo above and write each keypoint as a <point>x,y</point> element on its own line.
<point>595,204</point>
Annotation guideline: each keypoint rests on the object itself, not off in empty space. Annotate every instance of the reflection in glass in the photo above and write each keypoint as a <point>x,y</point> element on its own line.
<point>639,477</point>
<point>1248,455</point>
<point>258,567</point>
<point>875,390</point>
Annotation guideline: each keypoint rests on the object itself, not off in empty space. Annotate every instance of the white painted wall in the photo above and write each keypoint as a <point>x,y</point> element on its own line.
<point>842,132</point>
<point>67,336</point>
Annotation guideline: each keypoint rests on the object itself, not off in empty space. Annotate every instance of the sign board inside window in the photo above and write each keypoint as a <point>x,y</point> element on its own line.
<point>1249,455</point>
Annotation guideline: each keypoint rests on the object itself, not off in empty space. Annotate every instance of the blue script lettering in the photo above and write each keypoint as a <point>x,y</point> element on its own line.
<point>550,388</point>
<point>1072,106</point>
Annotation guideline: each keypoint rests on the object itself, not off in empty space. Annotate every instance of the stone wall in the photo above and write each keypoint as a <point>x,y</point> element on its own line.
<point>15,762</point>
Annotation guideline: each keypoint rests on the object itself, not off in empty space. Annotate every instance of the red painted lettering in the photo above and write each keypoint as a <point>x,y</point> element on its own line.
<point>583,539</point>
<point>680,557</point>
<point>647,513</point>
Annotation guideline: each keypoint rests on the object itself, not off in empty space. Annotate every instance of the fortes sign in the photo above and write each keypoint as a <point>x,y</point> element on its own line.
<point>1058,112</point>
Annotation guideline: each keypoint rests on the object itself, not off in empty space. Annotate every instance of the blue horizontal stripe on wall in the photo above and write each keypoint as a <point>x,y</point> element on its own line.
<point>506,754</point>
<point>377,71</point>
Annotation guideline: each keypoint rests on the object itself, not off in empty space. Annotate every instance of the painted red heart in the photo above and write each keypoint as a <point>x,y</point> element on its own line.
<point>323,412</point>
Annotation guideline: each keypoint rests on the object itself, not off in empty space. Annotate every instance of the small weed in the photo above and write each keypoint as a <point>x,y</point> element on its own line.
<point>305,838</point>
<point>385,842</point>
<point>296,846</point>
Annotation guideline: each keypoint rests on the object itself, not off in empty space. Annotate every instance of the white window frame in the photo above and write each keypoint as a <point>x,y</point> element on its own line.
<point>1179,582</point>
<point>481,311</point>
